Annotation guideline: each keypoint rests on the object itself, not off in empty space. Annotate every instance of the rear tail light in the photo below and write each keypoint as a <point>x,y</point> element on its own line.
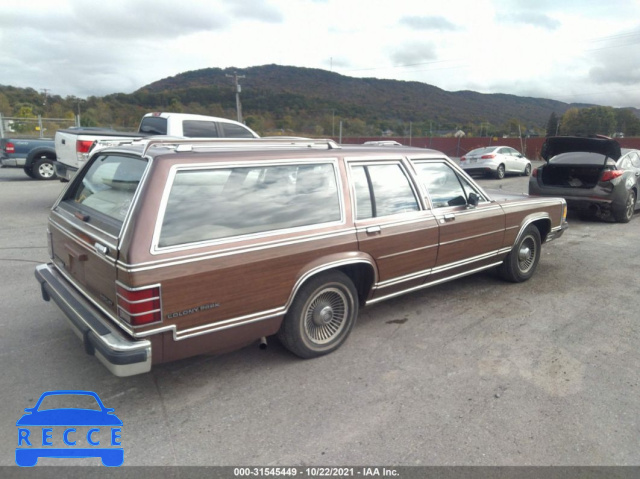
<point>488,157</point>
<point>10,148</point>
<point>534,173</point>
<point>464,158</point>
<point>610,175</point>
<point>139,306</point>
<point>82,149</point>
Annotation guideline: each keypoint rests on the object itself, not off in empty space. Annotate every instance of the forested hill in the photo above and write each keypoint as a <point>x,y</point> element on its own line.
<point>312,102</point>
<point>281,89</point>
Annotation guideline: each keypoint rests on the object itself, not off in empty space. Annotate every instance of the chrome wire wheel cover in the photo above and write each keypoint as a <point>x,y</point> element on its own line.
<point>527,254</point>
<point>326,315</point>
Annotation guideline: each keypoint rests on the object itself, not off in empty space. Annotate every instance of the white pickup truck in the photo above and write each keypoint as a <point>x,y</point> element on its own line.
<point>74,144</point>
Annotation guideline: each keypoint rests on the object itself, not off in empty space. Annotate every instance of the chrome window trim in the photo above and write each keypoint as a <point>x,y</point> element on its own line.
<point>84,227</point>
<point>157,250</point>
<point>375,161</point>
<point>484,197</point>
<point>134,200</point>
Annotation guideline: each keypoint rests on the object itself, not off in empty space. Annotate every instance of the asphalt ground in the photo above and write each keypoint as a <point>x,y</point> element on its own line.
<point>472,372</point>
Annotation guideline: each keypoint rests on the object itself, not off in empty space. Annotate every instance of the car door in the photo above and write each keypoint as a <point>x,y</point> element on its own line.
<point>392,225</point>
<point>470,235</point>
<point>519,160</point>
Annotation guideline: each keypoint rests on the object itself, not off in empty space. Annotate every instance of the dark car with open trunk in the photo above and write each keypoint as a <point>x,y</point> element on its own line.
<point>166,249</point>
<point>594,175</point>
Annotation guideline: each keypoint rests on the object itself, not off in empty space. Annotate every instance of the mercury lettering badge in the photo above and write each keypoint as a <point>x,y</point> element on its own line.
<point>92,430</point>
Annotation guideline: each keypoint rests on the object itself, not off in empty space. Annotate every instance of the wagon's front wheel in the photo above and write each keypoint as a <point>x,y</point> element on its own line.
<point>521,262</point>
<point>321,315</point>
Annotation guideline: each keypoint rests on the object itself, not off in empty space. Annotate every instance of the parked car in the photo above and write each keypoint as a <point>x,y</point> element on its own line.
<point>496,161</point>
<point>73,145</point>
<point>173,248</point>
<point>37,157</point>
<point>594,175</point>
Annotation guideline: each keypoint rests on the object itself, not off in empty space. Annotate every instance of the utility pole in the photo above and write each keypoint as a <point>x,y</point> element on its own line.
<point>238,89</point>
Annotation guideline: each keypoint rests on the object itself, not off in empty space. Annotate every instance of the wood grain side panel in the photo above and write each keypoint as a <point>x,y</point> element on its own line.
<point>204,292</point>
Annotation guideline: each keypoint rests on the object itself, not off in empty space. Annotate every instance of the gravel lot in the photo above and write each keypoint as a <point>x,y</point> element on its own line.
<point>474,372</point>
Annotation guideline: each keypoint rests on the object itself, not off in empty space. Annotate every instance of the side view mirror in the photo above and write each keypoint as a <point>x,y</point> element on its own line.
<point>473,200</point>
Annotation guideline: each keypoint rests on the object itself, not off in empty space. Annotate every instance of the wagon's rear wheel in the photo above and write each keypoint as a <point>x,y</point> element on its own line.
<point>321,316</point>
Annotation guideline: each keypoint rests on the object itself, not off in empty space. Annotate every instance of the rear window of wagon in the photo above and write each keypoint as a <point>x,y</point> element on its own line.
<point>103,192</point>
<point>216,203</point>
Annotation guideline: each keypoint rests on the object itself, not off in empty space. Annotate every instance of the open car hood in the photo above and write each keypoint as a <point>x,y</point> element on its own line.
<point>564,144</point>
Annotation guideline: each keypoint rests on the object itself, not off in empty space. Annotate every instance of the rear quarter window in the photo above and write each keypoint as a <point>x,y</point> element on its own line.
<point>216,203</point>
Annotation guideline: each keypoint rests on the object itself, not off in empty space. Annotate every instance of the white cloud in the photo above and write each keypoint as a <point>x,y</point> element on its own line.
<point>583,51</point>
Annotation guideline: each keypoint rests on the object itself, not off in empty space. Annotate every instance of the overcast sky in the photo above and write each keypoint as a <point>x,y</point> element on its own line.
<point>568,50</point>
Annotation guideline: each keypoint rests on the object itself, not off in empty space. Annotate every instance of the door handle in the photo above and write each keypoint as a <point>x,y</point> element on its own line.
<point>102,249</point>
<point>449,217</point>
<point>373,229</point>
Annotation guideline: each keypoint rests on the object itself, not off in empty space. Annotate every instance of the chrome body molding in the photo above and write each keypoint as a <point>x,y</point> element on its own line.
<point>192,257</point>
<point>400,253</point>
<point>458,240</point>
<point>432,283</point>
<point>437,270</point>
<point>65,231</point>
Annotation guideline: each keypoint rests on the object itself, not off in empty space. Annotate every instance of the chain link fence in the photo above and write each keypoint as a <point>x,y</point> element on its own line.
<point>38,127</point>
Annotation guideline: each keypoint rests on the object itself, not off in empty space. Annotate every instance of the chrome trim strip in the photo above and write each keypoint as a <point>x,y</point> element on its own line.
<point>438,269</point>
<point>107,259</point>
<point>408,251</point>
<point>472,237</point>
<point>162,263</point>
<point>417,217</point>
<point>70,234</point>
<point>433,283</point>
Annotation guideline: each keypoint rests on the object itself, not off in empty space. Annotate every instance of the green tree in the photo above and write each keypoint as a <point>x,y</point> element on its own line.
<point>552,125</point>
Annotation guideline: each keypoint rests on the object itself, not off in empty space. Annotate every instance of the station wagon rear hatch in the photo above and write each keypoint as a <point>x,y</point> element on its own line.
<point>85,226</point>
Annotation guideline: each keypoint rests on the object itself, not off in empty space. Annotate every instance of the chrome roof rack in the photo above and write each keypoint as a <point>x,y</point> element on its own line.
<point>189,144</point>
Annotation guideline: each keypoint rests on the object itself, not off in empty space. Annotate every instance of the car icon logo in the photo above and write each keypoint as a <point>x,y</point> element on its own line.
<point>69,432</point>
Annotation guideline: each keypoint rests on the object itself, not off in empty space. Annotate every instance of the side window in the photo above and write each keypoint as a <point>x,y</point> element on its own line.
<point>445,186</point>
<point>199,129</point>
<point>382,190</point>
<point>155,125</point>
<point>231,130</point>
<point>215,203</point>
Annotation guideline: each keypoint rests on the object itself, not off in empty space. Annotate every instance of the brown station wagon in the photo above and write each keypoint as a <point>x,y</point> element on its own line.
<point>166,249</point>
